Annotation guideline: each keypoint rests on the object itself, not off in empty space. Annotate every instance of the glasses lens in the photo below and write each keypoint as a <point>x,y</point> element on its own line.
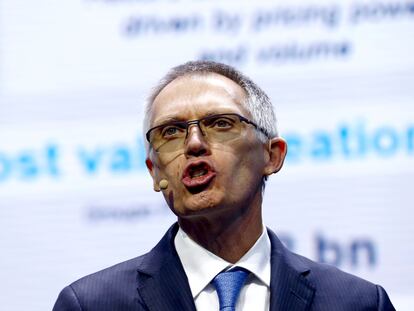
<point>169,137</point>
<point>217,128</point>
<point>221,128</point>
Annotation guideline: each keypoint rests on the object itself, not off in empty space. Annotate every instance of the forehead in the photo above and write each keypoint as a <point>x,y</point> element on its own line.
<point>196,95</point>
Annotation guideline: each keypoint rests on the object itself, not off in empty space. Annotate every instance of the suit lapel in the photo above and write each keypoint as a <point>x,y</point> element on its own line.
<point>163,284</point>
<point>290,290</point>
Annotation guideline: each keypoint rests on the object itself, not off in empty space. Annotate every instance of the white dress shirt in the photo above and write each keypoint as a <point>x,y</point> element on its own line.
<point>201,266</point>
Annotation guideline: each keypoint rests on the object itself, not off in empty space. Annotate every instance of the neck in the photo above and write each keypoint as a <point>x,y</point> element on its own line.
<point>228,235</point>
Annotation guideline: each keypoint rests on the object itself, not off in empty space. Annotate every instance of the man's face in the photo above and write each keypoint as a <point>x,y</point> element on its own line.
<point>205,176</point>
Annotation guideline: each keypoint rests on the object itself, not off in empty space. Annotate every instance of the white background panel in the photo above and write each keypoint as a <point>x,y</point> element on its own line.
<point>74,193</point>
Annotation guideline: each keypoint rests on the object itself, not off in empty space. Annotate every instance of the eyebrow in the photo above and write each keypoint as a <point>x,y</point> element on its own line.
<point>172,118</point>
<point>168,120</point>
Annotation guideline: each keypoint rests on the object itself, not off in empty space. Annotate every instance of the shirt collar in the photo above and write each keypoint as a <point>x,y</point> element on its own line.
<point>201,265</point>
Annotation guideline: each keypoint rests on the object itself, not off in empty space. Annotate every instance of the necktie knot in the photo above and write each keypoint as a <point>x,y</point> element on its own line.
<point>228,285</point>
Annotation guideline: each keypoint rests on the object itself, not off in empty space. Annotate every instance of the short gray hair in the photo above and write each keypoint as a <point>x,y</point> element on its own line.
<point>257,102</point>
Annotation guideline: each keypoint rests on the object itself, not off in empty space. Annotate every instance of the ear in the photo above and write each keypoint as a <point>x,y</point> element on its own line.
<point>275,155</point>
<point>150,167</point>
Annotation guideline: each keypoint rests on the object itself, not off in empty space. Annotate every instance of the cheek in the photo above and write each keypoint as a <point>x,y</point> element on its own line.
<point>250,166</point>
<point>173,173</point>
<point>241,167</point>
<point>170,168</point>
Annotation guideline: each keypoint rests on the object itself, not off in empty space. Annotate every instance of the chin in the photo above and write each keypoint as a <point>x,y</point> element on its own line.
<point>200,204</point>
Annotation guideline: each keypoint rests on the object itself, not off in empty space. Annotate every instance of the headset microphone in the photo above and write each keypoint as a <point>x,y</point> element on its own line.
<point>163,184</point>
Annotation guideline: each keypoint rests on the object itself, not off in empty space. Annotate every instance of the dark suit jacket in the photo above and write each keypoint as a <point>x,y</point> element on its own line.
<point>156,281</point>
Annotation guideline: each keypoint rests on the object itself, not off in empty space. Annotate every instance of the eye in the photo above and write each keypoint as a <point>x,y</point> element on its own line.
<point>222,123</point>
<point>172,131</point>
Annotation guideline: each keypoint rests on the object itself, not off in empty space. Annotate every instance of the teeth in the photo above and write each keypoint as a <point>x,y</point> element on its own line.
<point>198,173</point>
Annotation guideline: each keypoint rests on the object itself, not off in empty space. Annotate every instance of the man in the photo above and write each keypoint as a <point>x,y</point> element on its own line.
<point>212,143</point>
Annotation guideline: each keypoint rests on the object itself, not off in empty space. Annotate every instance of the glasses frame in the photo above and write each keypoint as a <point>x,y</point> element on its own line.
<point>186,124</point>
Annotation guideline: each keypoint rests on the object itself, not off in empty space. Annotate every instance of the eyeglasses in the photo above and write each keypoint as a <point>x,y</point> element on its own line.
<point>216,128</point>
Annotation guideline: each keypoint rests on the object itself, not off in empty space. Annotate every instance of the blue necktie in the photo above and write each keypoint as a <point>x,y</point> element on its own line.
<point>228,285</point>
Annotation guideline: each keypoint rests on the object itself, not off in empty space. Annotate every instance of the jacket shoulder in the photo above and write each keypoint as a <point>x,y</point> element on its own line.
<point>333,289</point>
<point>322,271</point>
<point>345,291</point>
<point>116,287</point>
<point>113,288</point>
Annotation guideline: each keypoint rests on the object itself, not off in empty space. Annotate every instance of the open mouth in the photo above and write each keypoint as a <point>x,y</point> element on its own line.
<point>198,175</point>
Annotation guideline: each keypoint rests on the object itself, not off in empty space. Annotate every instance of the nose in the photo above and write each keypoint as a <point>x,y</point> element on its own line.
<point>195,143</point>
